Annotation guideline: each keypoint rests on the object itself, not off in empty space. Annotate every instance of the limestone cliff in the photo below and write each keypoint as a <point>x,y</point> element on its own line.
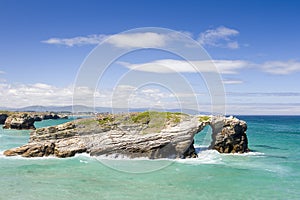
<point>147,134</point>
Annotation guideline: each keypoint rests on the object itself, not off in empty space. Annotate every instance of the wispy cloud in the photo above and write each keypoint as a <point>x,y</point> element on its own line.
<point>219,37</point>
<point>281,67</point>
<point>2,79</point>
<point>181,66</point>
<point>123,96</point>
<point>232,82</point>
<point>148,39</point>
<point>18,95</point>
<point>126,96</point>
<point>77,41</point>
<point>265,94</point>
<point>263,109</point>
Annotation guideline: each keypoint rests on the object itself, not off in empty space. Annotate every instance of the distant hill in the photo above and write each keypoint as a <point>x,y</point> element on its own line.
<point>81,108</point>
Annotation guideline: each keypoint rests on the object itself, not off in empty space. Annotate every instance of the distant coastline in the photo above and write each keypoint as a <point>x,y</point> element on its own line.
<point>81,110</point>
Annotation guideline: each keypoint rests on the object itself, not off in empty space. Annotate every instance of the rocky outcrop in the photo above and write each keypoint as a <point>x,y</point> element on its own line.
<point>46,116</point>
<point>3,117</point>
<point>229,135</point>
<point>25,120</point>
<point>190,152</point>
<point>152,135</point>
<point>19,121</point>
<point>37,118</point>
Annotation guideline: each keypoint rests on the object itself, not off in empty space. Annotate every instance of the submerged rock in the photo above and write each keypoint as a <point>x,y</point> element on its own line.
<point>148,134</point>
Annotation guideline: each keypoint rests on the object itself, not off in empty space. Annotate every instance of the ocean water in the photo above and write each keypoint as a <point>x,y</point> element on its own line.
<point>270,171</point>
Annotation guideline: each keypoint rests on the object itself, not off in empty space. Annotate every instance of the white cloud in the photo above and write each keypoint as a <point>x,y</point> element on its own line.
<point>264,94</point>
<point>187,33</point>
<point>181,66</point>
<point>262,109</point>
<point>123,96</point>
<point>148,39</point>
<point>19,95</point>
<point>281,67</point>
<point>219,37</point>
<point>77,41</point>
<point>232,82</point>
<point>233,45</point>
<point>2,79</point>
<point>126,96</point>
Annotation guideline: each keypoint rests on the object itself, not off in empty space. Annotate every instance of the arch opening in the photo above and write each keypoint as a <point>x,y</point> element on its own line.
<point>203,139</point>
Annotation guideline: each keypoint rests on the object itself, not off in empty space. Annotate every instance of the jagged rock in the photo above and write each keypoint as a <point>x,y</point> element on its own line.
<point>229,135</point>
<point>32,150</point>
<point>25,120</point>
<point>37,118</point>
<point>53,116</point>
<point>47,116</point>
<point>63,116</point>
<point>153,135</point>
<point>3,117</point>
<point>190,152</point>
<point>19,121</point>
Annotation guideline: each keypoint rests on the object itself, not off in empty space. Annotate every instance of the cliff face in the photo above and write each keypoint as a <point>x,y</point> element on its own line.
<point>148,134</point>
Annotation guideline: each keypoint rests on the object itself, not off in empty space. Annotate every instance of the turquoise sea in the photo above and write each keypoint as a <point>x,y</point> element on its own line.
<point>271,171</point>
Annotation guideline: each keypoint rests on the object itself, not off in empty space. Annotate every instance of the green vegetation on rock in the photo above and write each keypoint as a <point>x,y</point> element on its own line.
<point>87,122</point>
<point>149,116</point>
<point>175,117</point>
<point>204,118</point>
<point>145,122</point>
<point>143,117</point>
<point>156,121</point>
<point>107,119</point>
<point>5,112</point>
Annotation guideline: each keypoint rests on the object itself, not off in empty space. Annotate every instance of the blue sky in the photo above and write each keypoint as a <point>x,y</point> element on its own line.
<point>43,44</point>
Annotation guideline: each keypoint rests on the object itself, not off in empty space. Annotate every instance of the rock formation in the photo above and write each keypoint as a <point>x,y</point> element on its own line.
<point>25,120</point>
<point>19,121</point>
<point>147,134</point>
<point>229,135</point>
<point>3,117</point>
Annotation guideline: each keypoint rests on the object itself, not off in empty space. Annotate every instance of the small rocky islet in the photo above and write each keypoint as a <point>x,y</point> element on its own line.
<point>25,120</point>
<point>148,134</point>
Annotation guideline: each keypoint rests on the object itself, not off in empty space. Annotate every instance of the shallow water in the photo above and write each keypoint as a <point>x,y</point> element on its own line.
<point>271,171</point>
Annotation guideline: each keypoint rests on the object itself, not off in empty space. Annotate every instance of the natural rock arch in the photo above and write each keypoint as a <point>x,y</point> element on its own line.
<point>111,135</point>
<point>228,135</point>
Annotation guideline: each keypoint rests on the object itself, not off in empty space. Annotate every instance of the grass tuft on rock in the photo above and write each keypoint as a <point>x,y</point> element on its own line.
<point>148,121</point>
<point>87,122</point>
<point>204,118</point>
